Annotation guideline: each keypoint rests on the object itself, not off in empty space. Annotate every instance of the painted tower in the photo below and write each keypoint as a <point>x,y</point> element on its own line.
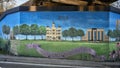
<point>53,33</point>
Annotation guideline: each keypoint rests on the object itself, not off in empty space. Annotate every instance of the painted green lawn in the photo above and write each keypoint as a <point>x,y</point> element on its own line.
<point>60,46</point>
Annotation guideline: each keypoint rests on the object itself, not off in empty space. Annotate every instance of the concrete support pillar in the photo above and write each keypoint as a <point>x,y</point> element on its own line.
<point>101,8</point>
<point>81,8</point>
<point>91,8</point>
<point>32,8</point>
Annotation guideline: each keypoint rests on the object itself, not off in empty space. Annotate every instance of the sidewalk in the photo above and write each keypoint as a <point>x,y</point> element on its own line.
<point>57,61</point>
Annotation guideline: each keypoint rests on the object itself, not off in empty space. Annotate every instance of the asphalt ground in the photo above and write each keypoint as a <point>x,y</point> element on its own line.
<point>7,61</point>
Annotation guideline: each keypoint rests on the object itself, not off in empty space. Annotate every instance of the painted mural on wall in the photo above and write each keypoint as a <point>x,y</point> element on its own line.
<point>62,31</point>
<point>49,24</point>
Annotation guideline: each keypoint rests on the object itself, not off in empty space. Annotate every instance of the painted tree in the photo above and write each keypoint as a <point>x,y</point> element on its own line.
<point>2,44</point>
<point>72,32</point>
<point>65,34</point>
<point>16,30</point>
<point>42,31</point>
<point>80,33</point>
<point>25,30</point>
<point>116,34</point>
<point>34,30</point>
<point>6,30</point>
<point>110,34</point>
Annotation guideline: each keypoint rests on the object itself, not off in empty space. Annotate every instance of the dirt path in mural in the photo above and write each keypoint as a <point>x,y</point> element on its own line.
<point>62,54</point>
<point>13,49</point>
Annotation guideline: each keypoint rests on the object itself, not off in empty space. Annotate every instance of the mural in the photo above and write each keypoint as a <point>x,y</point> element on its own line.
<point>61,31</point>
<point>61,22</point>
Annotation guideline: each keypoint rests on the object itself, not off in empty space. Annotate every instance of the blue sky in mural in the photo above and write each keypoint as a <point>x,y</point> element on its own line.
<point>113,18</point>
<point>83,20</point>
<point>10,20</point>
<point>64,19</point>
<point>79,20</point>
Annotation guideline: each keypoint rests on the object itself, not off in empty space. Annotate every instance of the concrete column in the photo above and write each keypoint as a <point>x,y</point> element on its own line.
<point>91,8</point>
<point>101,8</point>
<point>32,8</point>
<point>81,8</point>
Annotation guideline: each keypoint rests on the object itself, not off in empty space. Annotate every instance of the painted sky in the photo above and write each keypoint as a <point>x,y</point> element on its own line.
<point>83,20</point>
<point>79,20</point>
<point>66,20</point>
<point>113,18</point>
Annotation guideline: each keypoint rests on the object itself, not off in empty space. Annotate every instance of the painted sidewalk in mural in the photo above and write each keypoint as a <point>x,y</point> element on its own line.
<point>62,54</point>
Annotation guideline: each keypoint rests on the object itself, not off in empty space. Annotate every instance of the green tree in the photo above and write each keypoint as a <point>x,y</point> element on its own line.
<point>65,33</point>
<point>116,34</point>
<point>16,30</point>
<point>6,30</point>
<point>34,30</point>
<point>110,33</point>
<point>80,33</point>
<point>2,44</point>
<point>42,31</point>
<point>25,30</point>
<point>72,32</point>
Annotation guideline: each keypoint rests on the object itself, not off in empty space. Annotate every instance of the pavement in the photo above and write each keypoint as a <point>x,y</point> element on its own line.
<point>30,62</point>
<point>32,65</point>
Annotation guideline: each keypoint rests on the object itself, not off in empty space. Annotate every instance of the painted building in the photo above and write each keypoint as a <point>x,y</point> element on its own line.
<point>95,34</point>
<point>118,24</point>
<point>53,33</point>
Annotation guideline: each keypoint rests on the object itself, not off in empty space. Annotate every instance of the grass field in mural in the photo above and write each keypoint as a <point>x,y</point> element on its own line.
<point>61,46</point>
